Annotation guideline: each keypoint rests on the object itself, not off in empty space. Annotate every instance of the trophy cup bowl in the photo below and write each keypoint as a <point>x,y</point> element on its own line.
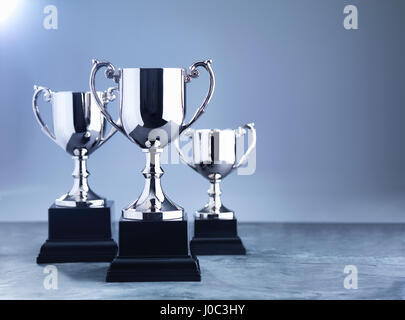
<point>152,109</point>
<point>214,157</point>
<point>79,129</point>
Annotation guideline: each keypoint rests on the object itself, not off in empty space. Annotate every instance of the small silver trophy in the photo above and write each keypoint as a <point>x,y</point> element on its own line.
<point>79,221</point>
<point>152,109</point>
<point>214,156</point>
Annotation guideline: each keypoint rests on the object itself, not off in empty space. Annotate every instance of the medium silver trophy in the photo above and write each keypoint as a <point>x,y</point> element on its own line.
<point>152,107</point>
<point>79,221</point>
<point>214,156</point>
<point>79,129</point>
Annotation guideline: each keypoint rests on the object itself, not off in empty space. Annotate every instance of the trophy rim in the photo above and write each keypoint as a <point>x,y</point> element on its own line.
<point>148,68</point>
<point>213,130</point>
<point>71,92</point>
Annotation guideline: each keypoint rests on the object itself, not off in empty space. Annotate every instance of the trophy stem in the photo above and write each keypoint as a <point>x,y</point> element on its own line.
<point>80,173</point>
<point>152,173</point>
<point>80,195</point>
<point>214,208</point>
<point>153,203</point>
<point>214,193</point>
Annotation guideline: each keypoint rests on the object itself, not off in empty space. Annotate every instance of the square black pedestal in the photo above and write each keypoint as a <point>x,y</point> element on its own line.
<point>152,250</point>
<point>216,237</point>
<point>79,235</point>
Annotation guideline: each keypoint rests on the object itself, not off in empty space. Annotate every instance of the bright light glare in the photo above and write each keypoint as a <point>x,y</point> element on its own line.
<point>7,8</point>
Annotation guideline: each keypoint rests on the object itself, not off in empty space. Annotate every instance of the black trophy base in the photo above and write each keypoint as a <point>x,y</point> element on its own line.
<point>182,268</point>
<point>79,235</point>
<point>77,251</point>
<point>216,237</point>
<point>217,246</point>
<point>153,250</point>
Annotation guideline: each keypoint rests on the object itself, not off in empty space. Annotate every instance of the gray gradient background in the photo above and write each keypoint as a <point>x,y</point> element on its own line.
<point>328,103</point>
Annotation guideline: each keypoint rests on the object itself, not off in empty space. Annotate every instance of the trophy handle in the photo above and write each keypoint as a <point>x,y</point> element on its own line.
<point>111,74</point>
<point>240,133</point>
<point>109,96</point>
<point>194,73</point>
<point>187,133</point>
<point>35,108</point>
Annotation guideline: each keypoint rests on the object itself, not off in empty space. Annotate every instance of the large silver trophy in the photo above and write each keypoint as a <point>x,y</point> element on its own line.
<point>79,129</point>
<point>214,156</point>
<point>153,236</point>
<point>79,221</point>
<point>152,108</point>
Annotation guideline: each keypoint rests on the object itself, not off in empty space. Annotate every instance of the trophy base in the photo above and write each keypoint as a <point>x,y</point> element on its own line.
<point>153,250</point>
<point>216,237</point>
<point>77,251</point>
<point>79,235</point>
<point>181,268</point>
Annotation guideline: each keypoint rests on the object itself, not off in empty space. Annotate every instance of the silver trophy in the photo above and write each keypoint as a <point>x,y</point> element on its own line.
<point>79,129</point>
<point>152,109</point>
<point>214,156</point>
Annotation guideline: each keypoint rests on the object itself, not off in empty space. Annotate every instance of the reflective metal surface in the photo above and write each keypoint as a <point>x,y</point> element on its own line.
<point>214,157</point>
<point>79,128</point>
<point>152,109</point>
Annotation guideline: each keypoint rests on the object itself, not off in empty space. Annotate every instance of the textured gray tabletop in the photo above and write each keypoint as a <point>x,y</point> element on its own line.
<point>284,261</point>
